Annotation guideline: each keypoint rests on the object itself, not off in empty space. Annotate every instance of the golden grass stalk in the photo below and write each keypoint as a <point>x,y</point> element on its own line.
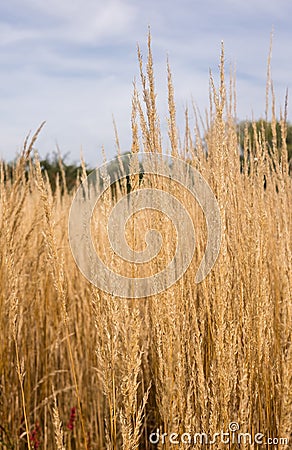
<point>59,435</point>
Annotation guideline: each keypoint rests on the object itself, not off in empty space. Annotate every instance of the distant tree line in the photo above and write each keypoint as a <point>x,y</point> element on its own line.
<point>262,129</point>
<point>57,169</point>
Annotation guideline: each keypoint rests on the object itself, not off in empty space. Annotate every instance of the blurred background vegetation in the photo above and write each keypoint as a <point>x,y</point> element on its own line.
<point>56,166</point>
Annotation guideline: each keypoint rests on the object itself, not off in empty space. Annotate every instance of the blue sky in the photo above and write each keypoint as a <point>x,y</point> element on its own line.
<point>73,62</point>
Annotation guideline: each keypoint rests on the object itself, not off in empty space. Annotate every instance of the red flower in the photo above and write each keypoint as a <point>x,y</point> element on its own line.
<point>70,424</point>
<point>34,436</point>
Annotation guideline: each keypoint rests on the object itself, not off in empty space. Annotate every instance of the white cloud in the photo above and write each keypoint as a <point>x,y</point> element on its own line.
<point>80,21</point>
<point>73,62</point>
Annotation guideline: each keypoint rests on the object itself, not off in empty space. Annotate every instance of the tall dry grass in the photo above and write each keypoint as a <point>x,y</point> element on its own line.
<point>82,369</point>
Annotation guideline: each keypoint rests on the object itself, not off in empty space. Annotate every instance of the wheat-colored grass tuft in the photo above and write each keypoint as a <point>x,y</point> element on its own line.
<point>191,359</point>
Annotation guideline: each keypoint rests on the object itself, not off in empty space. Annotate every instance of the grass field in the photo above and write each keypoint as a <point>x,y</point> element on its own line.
<point>81,369</point>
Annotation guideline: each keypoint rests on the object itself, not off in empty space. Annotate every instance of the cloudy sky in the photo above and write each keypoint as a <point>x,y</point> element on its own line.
<point>73,62</point>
